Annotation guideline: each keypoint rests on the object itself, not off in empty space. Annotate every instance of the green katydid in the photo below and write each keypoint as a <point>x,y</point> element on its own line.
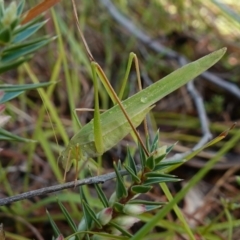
<point>105,130</point>
<point>113,125</point>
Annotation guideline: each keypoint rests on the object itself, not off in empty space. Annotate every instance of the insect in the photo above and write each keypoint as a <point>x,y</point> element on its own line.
<point>113,124</point>
<point>105,130</point>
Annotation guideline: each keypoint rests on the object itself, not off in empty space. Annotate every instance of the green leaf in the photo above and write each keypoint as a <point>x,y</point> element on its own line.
<point>159,154</point>
<point>91,214</point>
<point>169,149</point>
<point>131,162</point>
<point>68,217</point>
<point>150,163</point>
<point>20,7</point>
<point>123,231</point>
<point>5,35</point>
<point>118,207</point>
<point>140,189</point>
<point>165,164</point>
<point>24,87</point>
<point>27,25</point>
<point>119,165</point>
<point>1,9</point>
<point>148,143</point>
<point>156,174</point>
<point>142,156</point>
<point>158,159</point>
<point>19,46</point>
<point>26,33</point>
<point>145,202</point>
<point>7,136</point>
<point>53,224</point>
<point>151,207</point>
<point>12,65</point>
<point>134,177</point>
<point>155,142</point>
<point>101,195</point>
<point>87,217</point>
<point>121,191</point>
<point>106,236</point>
<point>13,54</point>
<point>9,96</point>
<point>147,205</point>
<point>12,91</point>
<point>14,23</point>
<point>154,180</point>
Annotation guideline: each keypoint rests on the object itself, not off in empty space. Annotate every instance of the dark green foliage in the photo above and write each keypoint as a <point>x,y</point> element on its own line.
<point>122,208</point>
<point>12,91</point>
<point>13,35</point>
<point>14,51</point>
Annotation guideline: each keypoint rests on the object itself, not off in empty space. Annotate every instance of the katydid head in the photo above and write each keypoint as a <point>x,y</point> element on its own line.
<point>68,155</point>
<point>76,152</point>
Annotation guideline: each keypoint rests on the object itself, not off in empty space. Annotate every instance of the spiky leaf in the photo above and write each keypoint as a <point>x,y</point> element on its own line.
<point>121,191</point>
<point>90,215</point>
<point>154,145</point>
<point>140,189</point>
<point>150,163</point>
<point>134,177</point>
<point>7,136</point>
<point>131,162</point>
<point>154,180</point>
<point>53,224</point>
<point>165,164</point>
<point>68,217</point>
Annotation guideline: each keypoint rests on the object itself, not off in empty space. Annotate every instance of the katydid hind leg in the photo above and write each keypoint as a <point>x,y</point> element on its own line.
<point>77,160</point>
<point>105,82</point>
<point>67,166</point>
<point>140,88</point>
<point>133,57</point>
<point>126,76</point>
<point>96,121</point>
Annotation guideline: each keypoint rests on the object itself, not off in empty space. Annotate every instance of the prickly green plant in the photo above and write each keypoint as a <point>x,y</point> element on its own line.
<point>121,211</point>
<point>15,46</point>
<point>15,49</point>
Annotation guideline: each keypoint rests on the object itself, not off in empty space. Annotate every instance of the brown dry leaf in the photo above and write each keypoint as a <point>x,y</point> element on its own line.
<point>39,9</point>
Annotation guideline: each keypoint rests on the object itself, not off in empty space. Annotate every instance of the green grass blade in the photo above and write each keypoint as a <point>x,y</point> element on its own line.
<point>53,224</point>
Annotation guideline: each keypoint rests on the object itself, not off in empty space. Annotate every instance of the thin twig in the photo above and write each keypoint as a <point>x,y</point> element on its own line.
<point>59,187</point>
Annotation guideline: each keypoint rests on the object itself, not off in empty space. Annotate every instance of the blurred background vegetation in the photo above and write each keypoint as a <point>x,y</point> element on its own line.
<point>190,28</point>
